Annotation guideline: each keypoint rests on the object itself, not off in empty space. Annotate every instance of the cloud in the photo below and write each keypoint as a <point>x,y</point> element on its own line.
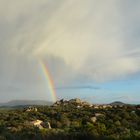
<point>78,39</point>
<point>77,87</point>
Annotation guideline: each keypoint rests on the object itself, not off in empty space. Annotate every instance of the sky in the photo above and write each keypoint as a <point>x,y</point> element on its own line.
<point>91,48</point>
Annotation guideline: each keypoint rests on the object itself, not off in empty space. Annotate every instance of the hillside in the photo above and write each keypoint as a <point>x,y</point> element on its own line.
<point>117,103</point>
<point>71,120</point>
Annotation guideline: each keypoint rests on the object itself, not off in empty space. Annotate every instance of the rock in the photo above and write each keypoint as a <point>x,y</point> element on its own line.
<point>93,119</point>
<point>31,109</point>
<point>46,125</point>
<point>49,126</point>
<point>78,101</point>
<point>37,123</point>
<point>98,114</point>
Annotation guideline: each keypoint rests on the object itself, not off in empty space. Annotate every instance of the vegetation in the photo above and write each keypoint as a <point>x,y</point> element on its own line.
<point>71,120</point>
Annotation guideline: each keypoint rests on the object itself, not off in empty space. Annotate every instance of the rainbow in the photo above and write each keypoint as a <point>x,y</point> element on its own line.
<point>49,81</point>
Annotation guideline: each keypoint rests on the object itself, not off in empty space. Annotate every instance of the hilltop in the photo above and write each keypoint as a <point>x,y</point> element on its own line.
<point>117,103</point>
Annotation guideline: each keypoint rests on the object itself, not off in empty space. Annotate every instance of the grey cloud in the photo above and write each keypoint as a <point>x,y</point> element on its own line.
<point>76,38</point>
<point>9,89</point>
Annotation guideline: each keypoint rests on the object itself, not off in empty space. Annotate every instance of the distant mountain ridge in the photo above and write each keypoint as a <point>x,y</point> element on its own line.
<point>14,103</point>
<point>25,102</point>
<point>117,103</point>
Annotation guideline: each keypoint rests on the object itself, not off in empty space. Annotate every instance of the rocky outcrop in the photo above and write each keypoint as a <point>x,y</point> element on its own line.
<point>29,109</point>
<point>79,103</point>
<point>37,123</point>
<point>40,124</point>
<point>76,100</point>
